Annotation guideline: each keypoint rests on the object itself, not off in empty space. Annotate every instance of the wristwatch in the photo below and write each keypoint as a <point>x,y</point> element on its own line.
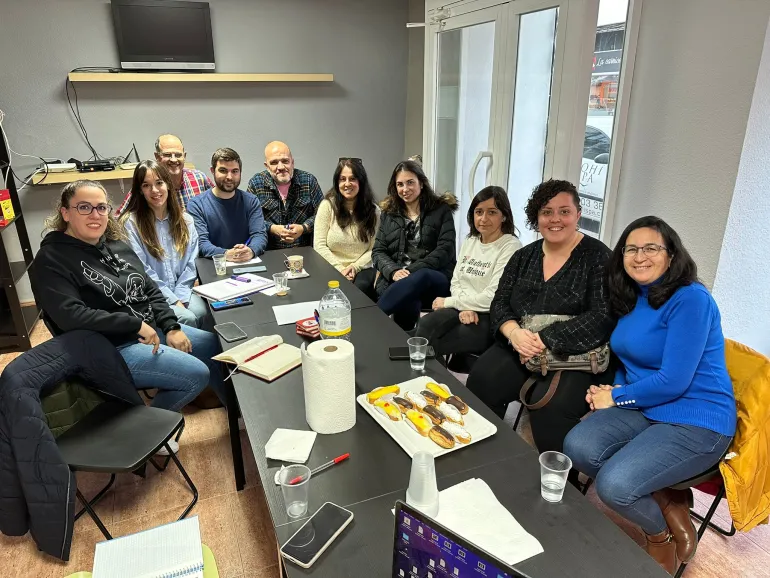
<point>174,327</point>
<point>304,229</point>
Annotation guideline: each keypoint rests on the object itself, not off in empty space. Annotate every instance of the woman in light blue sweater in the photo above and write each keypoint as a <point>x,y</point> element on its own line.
<point>671,413</point>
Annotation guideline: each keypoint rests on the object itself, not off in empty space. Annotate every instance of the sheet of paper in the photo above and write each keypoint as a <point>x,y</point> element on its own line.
<point>270,291</point>
<point>287,314</point>
<point>471,510</point>
<point>253,261</point>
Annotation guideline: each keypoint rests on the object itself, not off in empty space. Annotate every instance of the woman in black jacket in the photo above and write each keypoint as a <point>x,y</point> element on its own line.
<point>414,252</point>
<point>86,277</point>
<point>560,274</point>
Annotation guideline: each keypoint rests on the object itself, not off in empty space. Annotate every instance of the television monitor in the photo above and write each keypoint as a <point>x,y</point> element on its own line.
<point>163,34</point>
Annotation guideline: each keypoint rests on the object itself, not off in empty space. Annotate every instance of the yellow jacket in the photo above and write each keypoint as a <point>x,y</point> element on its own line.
<point>747,474</point>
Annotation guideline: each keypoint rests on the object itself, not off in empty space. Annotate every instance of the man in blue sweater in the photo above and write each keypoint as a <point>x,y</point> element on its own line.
<point>227,219</point>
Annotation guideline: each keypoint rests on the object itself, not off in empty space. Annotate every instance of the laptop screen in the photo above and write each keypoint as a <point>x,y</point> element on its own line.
<point>424,549</point>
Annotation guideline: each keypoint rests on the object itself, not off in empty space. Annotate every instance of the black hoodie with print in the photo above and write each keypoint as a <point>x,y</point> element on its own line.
<point>100,287</point>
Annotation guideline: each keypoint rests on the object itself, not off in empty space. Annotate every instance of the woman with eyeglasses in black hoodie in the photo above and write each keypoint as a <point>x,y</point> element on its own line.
<point>85,276</point>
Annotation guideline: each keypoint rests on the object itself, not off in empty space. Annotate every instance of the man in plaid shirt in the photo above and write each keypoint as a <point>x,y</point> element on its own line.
<point>289,199</point>
<point>188,183</point>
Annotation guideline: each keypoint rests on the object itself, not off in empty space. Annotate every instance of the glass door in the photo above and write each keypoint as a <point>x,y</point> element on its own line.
<point>464,50</point>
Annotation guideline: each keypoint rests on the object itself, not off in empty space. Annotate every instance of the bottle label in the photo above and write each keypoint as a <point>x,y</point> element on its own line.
<point>335,327</point>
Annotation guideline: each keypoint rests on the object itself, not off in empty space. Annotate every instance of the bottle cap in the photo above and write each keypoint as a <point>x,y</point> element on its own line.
<point>334,284</point>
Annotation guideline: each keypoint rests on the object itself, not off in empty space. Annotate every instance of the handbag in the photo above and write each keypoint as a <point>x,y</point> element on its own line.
<point>594,361</point>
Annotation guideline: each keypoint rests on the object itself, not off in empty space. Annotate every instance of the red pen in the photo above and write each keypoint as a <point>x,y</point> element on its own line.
<point>258,354</point>
<point>334,462</point>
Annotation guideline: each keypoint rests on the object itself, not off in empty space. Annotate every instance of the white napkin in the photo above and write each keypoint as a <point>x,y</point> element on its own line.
<point>471,510</point>
<point>290,445</point>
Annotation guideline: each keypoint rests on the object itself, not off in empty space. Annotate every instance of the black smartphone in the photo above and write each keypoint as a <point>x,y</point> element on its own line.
<point>230,303</point>
<point>230,332</point>
<point>402,353</point>
<point>255,269</point>
<point>315,535</point>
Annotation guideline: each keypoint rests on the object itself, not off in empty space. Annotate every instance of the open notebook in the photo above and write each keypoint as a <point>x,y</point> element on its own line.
<point>265,357</point>
<point>230,288</point>
<point>165,551</point>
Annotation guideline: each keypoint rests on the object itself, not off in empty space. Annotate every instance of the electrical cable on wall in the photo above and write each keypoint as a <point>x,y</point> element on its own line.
<point>9,165</point>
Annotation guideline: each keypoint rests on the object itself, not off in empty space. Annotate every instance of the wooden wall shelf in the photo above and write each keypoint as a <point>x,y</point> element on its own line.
<point>195,77</point>
<point>72,176</point>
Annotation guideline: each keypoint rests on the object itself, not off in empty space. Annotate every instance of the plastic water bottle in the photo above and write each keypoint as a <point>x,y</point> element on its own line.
<point>334,313</point>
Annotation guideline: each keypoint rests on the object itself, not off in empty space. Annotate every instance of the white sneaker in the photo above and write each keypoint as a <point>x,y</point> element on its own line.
<point>172,444</point>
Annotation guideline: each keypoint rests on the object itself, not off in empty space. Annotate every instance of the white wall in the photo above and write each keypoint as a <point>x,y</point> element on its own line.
<point>742,285</point>
<point>696,67</point>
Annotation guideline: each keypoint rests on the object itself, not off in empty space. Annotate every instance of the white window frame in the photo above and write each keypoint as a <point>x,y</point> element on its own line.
<point>567,119</point>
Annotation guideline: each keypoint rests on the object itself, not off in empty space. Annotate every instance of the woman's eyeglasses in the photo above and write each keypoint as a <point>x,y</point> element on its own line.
<point>650,250</point>
<point>102,209</point>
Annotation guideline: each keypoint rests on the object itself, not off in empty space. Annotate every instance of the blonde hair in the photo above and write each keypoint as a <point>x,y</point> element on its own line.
<point>55,221</point>
<point>145,218</point>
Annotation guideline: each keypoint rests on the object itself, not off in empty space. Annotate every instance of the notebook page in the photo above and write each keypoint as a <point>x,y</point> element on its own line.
<point>168,550</point>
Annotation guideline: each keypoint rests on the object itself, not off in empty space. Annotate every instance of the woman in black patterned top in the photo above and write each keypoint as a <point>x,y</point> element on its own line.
<point>561,274</point>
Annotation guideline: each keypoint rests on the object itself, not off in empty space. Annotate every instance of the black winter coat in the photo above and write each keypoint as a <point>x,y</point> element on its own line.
<point>37,488</point>
<point>437,241</point>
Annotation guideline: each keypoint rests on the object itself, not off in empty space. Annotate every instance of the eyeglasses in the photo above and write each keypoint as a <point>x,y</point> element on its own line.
<point>169,156</point>
<point>351,159</point>
<point>650,250</point>
<point>102,209</point>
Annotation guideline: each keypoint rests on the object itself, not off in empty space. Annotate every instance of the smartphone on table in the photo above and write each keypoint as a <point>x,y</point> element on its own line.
<point>230,303</point>
<point>230,332</point>
<point>316,535</point>
<point>254,269</point>
<point>402,353</point>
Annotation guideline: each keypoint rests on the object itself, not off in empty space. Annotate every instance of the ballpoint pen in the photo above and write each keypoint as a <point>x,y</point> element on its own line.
<point>321,468</point>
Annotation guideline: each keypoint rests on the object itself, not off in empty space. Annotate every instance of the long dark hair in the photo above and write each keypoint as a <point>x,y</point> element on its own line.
<point>623,290</point>
<point>503,205</point>
<point>365,210</point>
<point>429,200</point>
<point>145,217</point>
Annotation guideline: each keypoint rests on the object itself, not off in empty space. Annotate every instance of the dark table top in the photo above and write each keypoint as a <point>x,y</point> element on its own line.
<point>577,539</point>
<point>377,464</point>
<point>307,289</point>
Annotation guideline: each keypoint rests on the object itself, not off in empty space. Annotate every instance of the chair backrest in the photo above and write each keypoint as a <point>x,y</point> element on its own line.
<point>68,403</point>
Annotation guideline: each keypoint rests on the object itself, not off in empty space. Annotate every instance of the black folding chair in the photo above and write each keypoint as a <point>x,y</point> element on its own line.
<point>115,438</point>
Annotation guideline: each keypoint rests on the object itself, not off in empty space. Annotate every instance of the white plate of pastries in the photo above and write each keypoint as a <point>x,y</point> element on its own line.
<point>424,415</point>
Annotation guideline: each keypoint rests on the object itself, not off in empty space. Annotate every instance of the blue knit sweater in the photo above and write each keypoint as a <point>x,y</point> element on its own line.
<point>674,362</point>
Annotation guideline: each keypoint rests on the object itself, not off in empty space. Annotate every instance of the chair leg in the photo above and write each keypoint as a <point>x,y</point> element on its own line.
<point>97,497</point>
<point>93,515</point>
<point>187,479</point>
<point>518,417</point>
<point>167,459</point>
<point>587,485</point>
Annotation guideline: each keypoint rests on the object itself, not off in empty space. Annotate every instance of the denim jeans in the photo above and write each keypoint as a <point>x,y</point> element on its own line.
<point>405,298</point>
<point>178,376</point>
<point>195,314</point>
<point>629,457</point>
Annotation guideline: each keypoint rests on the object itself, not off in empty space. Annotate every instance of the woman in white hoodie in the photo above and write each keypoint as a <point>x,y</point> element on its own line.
<point>460,323</point>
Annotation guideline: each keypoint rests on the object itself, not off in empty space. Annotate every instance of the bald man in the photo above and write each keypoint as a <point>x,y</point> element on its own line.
<point>289,199</point>
<point>188,183</point>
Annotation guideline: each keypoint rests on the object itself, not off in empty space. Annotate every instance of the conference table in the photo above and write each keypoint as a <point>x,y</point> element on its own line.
<point>578,540</point>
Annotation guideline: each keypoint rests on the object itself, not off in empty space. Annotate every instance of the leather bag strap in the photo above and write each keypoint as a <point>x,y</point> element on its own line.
<point>545,399</point>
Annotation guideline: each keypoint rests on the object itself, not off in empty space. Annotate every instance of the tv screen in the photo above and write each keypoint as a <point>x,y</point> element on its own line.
<point>163,34</point>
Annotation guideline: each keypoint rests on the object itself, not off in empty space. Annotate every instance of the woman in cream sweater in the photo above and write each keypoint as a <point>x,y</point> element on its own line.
<point>346,223</point>
<point>460,323</point>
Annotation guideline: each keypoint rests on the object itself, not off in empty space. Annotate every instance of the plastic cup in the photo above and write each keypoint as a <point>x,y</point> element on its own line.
<point>418,349</point>
<point>295,494</point>
<point>554,468</point>
<point>281,281</point>
<point>220,264</point>
<point>422,492</point>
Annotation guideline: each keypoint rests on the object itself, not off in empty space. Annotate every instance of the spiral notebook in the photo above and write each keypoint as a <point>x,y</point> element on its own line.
<point>170,551</point>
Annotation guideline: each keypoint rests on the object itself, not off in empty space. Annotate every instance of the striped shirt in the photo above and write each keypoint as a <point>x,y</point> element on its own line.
<point>194,182</point>
<point>300,207</point>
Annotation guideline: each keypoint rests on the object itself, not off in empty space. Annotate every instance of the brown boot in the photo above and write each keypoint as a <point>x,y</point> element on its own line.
<point>675,505</point>
<point>662,548</point>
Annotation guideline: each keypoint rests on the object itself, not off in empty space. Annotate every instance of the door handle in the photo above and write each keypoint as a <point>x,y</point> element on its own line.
<point>472,175</point>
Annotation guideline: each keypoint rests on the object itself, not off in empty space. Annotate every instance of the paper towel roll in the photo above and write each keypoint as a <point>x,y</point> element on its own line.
<point>329,376</point>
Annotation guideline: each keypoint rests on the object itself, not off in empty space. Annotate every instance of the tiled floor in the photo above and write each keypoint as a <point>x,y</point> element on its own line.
<point>237,527</point>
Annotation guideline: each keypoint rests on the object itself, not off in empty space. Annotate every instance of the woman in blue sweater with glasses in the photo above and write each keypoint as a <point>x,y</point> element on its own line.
<point>670,414</point>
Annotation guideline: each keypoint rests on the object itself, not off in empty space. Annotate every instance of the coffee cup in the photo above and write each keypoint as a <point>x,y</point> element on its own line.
<point>294,263</point>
